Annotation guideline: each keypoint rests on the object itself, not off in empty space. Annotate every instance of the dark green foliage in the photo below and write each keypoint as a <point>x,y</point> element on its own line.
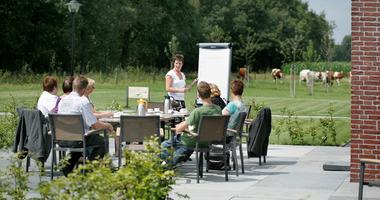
<point>111,34</point>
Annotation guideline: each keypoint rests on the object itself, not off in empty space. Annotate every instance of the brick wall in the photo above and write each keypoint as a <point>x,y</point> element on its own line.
<point>365,89</point>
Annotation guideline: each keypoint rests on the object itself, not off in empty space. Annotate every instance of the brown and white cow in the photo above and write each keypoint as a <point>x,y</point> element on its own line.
<point>277,74</point>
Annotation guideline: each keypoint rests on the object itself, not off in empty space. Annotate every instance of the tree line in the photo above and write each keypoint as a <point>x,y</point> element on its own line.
<point>119,33</point>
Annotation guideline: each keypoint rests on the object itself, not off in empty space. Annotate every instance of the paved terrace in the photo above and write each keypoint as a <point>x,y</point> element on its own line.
<point>291,173</point>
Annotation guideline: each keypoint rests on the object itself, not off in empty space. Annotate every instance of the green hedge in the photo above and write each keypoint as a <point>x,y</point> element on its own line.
<point>319,66</point>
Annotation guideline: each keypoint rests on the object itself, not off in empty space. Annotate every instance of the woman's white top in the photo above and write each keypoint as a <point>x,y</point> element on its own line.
<point>177,83</point>
<point>46,102</point>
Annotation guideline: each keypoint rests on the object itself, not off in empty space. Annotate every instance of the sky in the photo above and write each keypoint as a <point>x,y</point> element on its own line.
<point>338,11</point>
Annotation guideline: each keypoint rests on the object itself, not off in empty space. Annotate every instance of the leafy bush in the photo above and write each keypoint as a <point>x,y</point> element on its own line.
<point>142,177</point>
<point>13,181</point>
<point>8,123</point>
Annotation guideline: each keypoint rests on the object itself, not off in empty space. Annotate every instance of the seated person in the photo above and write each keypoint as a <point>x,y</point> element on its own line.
<point>235,106</point>
<point>73,103</point>
<point>184,145</point>
<point>215,96</point>
<point>48,100</point>
<point>90,88</point>
<point>67,86</point>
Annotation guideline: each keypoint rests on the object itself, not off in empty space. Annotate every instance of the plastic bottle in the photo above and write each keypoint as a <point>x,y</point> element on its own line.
<point>141,107</point>
<point>166,104</point>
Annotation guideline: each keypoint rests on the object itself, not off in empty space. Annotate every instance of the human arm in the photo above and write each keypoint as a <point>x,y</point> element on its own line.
<point>102,125</point>
<point>181,127</point>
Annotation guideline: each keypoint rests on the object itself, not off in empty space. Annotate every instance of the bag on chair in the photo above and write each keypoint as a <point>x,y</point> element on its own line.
<point>215,159</point>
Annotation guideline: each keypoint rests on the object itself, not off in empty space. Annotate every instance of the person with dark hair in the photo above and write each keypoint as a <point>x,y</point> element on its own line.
<point>48,100</point>
<point>67,86</point>
<point>234,107</point>
<point>74,103</point>
<point>184,145</point>
<point>175,83</point>
<point>215,96</point>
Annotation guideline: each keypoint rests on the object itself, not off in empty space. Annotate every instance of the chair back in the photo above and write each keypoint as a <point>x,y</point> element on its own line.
<point>248,111</point>
<point>240,123</point>
<point>67,127</point>
<point>213,128</point>
<point>159,105</point>
<point>136,128</point>
<point>258,140</point>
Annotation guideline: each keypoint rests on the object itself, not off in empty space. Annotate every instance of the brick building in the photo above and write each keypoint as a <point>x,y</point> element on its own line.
<point>365,89</point>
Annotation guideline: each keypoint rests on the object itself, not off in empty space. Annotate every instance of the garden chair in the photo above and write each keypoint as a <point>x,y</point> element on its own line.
<point>211,130</point>
<point>134,129</point>
<point>259,131</point>
<point>363,162</point>
<point>69,128</point>
<point>237,140</point>
<point>31,138</point>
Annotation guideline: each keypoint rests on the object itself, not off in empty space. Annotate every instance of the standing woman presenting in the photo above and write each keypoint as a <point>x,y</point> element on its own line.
<point>176,81</point>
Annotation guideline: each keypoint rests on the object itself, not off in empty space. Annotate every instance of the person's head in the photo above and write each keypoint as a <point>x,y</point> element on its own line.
<point>237,87</point>
<point>50,84</point>
<point>215,92</point>
<point>90,87</point>
<point>204,90</point>
<point>178,60</point>
<point>80,84</point>
<point>67,85</point>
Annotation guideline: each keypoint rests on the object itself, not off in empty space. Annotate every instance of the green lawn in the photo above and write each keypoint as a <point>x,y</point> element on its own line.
<point>262,89</point>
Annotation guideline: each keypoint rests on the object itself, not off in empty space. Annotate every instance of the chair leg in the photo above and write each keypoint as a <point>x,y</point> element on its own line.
<point>241,157</point>
<point>361,180</point>
<point>260,160</point>
<point>119,152</point>
<point>225,163</point>
<point>207,160</point>
<point>265,160</point>
<point>27,164</point>
<point>234,155</point>
<point>53,160</point>
<point>197,163</point>
<point>201,164</point>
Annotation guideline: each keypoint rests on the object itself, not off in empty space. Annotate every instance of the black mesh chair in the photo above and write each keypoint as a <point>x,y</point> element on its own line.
<point>153,105</point>
<point>237,140</point>
<point>69,128</point>
<point>211,130</point>
<point>134,129</point>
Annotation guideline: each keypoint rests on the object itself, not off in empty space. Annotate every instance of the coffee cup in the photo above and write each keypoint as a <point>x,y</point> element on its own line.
<point>150,110</point>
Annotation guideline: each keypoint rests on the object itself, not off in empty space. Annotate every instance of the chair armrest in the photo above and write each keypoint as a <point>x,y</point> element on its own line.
<point>95,131</point>
<point>191,133</point>
<point>248,121</point>
<point>232,130</point>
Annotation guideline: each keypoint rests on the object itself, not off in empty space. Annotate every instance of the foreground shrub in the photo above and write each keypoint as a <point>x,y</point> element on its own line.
<point>142,177</point>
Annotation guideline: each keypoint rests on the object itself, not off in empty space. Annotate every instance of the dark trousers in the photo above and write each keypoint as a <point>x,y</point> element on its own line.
<point>95,148</point>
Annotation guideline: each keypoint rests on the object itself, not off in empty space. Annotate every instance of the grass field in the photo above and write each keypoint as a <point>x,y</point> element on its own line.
<point>262,89</point>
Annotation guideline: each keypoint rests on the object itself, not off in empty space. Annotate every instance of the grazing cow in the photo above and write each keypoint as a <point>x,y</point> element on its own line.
<point>327,78</point>
<point>337,76</point>
<point>307,76</point>
<point>277,74</point>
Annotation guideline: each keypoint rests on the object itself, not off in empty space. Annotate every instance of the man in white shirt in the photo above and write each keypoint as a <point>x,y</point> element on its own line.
<point>73,103</point>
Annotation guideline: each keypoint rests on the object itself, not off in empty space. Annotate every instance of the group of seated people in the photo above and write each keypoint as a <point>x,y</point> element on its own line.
<point>184,143</point>
<point>76,99</point>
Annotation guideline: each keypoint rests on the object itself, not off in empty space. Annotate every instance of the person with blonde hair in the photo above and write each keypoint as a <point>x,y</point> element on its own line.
<point>215,96</point>
<point>89,89</point>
